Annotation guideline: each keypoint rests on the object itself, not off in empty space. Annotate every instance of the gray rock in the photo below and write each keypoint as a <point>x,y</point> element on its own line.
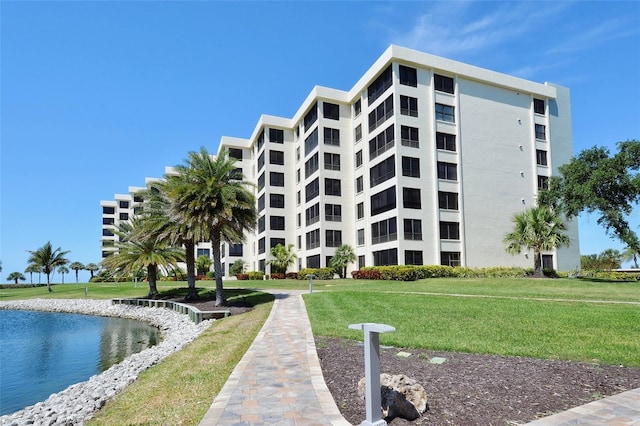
<point>401,396</point>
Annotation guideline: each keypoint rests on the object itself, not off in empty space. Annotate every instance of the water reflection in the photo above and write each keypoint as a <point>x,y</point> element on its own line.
<point>121,338</point>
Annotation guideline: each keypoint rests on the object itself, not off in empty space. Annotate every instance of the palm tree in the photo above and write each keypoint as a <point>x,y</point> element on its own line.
<point>48,259</point>
<point>63,270</point>
<point>215,194</point>
<point>538,229</point>
<point>91,267</point>
<point>15,276</point>
<point>283,257</point>
<point>138,249</point>
<point>629,254</point>
<point>76,266</point>
<point>31,269</point>
<point>343,256</point>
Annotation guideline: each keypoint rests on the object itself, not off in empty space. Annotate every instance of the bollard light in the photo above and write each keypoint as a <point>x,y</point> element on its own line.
<point>373,404</point>
<point>311,277</point>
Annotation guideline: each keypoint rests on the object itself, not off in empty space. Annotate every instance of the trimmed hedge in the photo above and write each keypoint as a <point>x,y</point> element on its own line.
<point>320,273</point>
<point>256,275</point>
<point>418,272</point>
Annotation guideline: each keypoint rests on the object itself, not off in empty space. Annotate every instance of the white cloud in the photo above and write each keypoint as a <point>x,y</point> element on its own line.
<point>586,38</point>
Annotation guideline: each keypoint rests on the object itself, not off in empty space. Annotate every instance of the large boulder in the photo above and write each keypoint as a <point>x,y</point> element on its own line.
<point>401,396</point>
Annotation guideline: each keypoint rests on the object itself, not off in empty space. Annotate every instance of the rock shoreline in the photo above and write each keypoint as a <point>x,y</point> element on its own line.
<point>78,403</point>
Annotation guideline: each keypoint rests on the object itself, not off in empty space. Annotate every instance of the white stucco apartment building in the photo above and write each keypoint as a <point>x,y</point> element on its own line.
<point>424,160</point>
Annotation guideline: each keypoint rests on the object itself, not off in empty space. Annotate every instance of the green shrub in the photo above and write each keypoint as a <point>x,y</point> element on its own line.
<point>211,275</point>
<point>320,273</point>
<point>256,275</point>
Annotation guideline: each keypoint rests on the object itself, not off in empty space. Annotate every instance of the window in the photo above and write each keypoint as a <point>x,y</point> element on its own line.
<point>359,184</point>
<point>412,229</point>
<point>446,141</point>
<point>312,214</point>
<point>334,238</point>
<point>541,157</point>
<point>381,113</point>
<point>360,237</point>
<point>237,173</point>
<point>107,233</point>
<point>332,187</point>
<point>235,153</point>
<point>360,210</point>
<point>379,85</point>
<point>359,158</point>
<point>108,221</point>
<point>275,241</point>
<point>276,201</point>
<point>123,204</point>
<point>538,106</point>
<point>361,262</point>
<point>261,247</point>
<point>299,241</point>
<point>448,200</point>
<point>450,258</point>
<point>261,203</point>
<point>298,154</point>
<point>383,201</point>
<point>261,182</point>
<point>412,257</point>
<point>313,261</point>
<point>261,224</point>
<point>108,210</point>
<point>276,135</point>
<point>411,198</point>
<point>299,220</point>
<point>547,261</point>
<point>381,143</point>
<point>408,106</point>
<point>411,167</point>
<point>445,113</point>
<point>385,257</point>
<point>297,175</point>
<point>261,161</point>
<point>408,76</point>
<point>331,111</point>
<point>385,230</point>
<point>333,212</point>
<point>447,171</point>
<point>137,199</point>
<point>124,216</point>
<point>298,197</point>
<point>358,132</point>
<point>262,265</point>
<point>312,189</point>
<point>443,84</point>
<point>276,179</point>
<point>409,136</point>
<point>357,108</point>
<point>313,239</point>
<point>235,250</point>
<point>541,132</point>
<point>331,136</point>
<point>276,157</point>
<point>543,182</point>
<point>331,161</point>
<point>382,171</point>
<point>449,231</point>
<point>311,142</point>
<point>311,117</point>
<point>311,165</point>
<point>260,139</point>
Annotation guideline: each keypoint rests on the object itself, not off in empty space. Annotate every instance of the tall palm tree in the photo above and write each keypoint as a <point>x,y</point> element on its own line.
<point>15,276</point>
<point>91,267</point>
<point>76,266</point>
<point>343,256</point>
<point>31,269</point>
<point>538,229</point>
<point>283,257</point>
<point>63,270</point>
<point>629,254</point>
<point>214,193</point>
<point>48,259</point>
<point>137,250</point>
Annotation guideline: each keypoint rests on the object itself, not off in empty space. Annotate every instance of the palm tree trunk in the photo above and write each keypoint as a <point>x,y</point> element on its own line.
<point>76,276</point>
<point>221,300</point>
<point>49,284</point>
<point>190,260</point>
<point>31,277</point>
<point>537,263</point>
<point>152,271</point>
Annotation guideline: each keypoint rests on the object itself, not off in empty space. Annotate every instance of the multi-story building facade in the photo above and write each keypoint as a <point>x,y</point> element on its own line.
<point>424,161</point>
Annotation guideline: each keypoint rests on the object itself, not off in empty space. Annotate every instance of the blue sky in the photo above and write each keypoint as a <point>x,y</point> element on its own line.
<point>96,96</point>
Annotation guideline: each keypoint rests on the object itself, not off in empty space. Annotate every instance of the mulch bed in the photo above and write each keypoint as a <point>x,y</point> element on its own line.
<point>471,389</point>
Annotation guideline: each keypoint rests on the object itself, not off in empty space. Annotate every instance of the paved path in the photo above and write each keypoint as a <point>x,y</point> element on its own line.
<point>279,379</point>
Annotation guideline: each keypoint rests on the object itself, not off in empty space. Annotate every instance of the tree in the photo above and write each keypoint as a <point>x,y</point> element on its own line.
<point>629,254</point>
<point>343,256</point>
<point>608,259</point>
<point>203,263</point>
<point>594,181</point>
<point>48,260</point>
<point>138,249</point>
<point>91,267</point>
<point>31,269</point>
<point>63,270</point>
<point>15,276</point>
<point>237,267</point>
<point>77,266</point>
<point>538,229</point>
<point>282,258</point>
<point>213,192</point>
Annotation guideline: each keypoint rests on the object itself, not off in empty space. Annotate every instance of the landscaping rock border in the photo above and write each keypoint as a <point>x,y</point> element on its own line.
<point>80,401</point>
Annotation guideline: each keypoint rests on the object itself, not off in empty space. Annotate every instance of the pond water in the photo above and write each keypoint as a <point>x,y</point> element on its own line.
<point>43,353</point>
